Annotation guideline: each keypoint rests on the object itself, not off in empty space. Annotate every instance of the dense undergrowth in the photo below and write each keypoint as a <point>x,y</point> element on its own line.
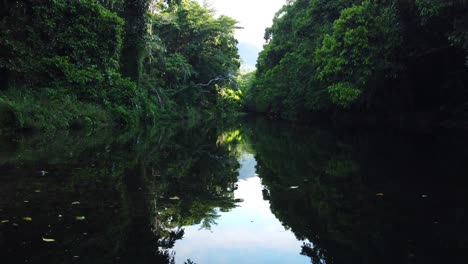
<point>88,63</point>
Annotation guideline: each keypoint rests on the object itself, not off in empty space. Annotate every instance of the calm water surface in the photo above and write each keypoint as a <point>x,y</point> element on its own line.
<point>255,192</point>
<point>249,233</point>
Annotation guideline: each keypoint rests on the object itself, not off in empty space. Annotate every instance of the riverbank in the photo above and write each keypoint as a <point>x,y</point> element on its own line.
<point>52,110</point>
<point>411,121</point>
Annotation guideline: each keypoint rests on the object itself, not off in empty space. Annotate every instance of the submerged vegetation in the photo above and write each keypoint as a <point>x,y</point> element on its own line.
<point>95,63</point>
<point>389,57</point>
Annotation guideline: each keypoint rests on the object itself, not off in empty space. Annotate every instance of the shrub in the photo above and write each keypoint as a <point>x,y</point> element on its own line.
<point>58,43</point>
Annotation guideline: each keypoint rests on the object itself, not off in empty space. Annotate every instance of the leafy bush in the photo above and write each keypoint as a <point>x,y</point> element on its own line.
<point>361,42</point>
<point>49,109</point>
<point>343,94</point>
<point>58,43</point>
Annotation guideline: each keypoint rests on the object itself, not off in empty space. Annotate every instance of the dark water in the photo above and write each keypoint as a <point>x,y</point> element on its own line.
<point>255,192</point>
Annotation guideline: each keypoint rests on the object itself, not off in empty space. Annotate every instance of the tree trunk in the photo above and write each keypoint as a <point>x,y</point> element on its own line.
<point>134,38</point>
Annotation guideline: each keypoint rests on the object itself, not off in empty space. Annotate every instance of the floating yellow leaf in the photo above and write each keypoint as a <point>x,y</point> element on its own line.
<point>175,198</point>
<point>5,221</point>
<point>38,191</point>
<point>80,218</point>
<point>48,239</point>
<point>27,218</point>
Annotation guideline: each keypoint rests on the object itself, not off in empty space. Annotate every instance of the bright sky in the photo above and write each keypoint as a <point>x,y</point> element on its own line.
<point>254,16</point>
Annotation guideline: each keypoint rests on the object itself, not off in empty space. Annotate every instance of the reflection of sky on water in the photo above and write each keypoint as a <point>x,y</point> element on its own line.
<point>247,234</point>
<point>247,169</point>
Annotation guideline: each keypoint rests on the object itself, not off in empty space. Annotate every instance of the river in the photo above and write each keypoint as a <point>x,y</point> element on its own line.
<point>255,191</point>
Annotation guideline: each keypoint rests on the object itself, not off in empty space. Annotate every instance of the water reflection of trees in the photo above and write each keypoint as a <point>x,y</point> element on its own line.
<point>379,197</point>
<point>135,189</point>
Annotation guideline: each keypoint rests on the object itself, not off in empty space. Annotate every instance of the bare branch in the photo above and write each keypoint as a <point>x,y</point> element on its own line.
<point>228,76</point>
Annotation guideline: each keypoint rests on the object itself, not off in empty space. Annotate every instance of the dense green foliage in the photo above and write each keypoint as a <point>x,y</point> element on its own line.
<point>389,56</point>
<point>192,57</point>
<point>80,63</point>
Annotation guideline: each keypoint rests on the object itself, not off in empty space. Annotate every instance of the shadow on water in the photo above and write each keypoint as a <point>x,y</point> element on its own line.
<point>125,197</point>
<point>110,197</point>
<point>367,197</point>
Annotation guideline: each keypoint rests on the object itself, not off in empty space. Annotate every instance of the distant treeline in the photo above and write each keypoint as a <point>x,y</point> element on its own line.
<point>389,57</point>
<point>93,63</point>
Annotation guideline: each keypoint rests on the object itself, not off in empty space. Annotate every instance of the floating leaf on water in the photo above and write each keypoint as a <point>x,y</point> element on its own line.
<point>80,218</point>
<point>27,218</point>
<point>75,203</point>
<point>37,191</point>
<point>4,221</point>
<point>379,194</point>
<point>48,239</point>
<point>175,198</point>
<point>293,187</point>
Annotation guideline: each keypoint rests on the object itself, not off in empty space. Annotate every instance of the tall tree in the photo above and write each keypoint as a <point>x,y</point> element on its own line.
<point>134,13</point>
<point>387,56</point>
